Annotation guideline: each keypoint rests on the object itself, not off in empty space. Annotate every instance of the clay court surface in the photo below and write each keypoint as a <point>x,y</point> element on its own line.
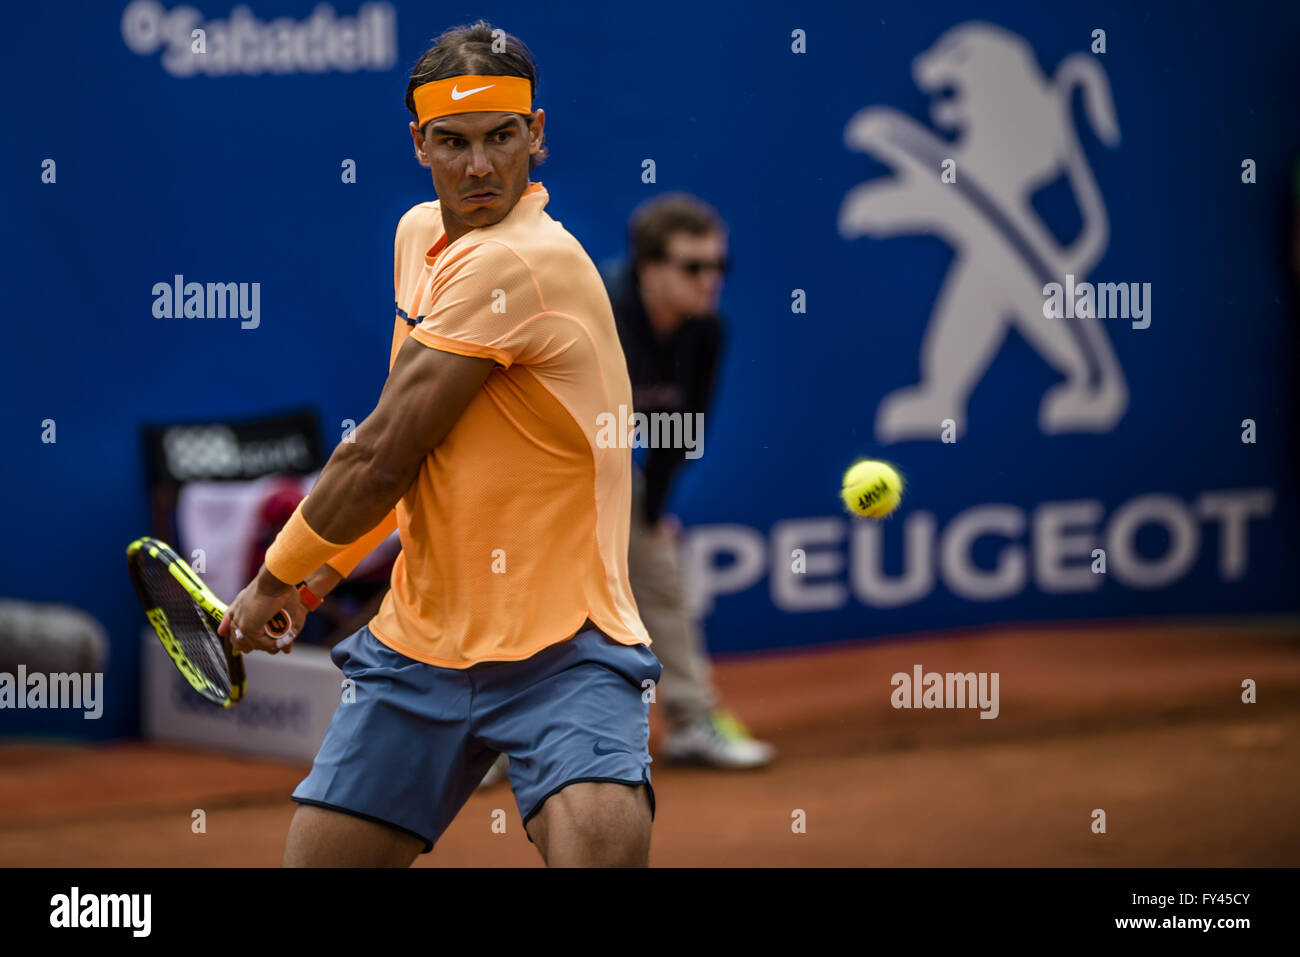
<point>1143,721</point>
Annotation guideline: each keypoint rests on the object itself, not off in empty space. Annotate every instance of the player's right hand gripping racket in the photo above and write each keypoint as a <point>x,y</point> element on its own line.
<point>185,614</point>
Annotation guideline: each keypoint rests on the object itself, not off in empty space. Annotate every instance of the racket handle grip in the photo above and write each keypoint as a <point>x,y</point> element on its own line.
<point>278,626</point>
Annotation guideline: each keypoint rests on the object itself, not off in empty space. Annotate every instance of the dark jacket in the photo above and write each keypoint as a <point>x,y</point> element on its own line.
<point>676,373</point>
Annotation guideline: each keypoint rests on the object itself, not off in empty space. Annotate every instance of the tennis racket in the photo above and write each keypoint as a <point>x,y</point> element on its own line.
<point>185,614</point>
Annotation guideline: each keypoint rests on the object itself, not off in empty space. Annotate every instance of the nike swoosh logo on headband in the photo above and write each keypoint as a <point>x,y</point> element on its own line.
<point>458,95</point>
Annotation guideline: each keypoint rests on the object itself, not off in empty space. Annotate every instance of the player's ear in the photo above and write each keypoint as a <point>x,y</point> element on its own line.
<point>418,138</point>
<point>536,131</point>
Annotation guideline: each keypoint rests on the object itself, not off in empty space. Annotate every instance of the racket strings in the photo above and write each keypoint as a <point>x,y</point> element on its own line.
<point>193,628</point>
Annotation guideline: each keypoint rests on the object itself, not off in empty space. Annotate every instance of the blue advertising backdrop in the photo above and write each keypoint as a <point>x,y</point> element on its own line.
<point>902,248</point>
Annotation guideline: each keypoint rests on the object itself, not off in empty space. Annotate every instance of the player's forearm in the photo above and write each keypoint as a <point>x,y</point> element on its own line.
<point>357,488</point>
<point>323,581</point>
<point>426,393</point>
<point>355,492</point>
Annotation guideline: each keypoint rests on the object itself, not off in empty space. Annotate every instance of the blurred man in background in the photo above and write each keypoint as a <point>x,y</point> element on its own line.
<point>666,306</point>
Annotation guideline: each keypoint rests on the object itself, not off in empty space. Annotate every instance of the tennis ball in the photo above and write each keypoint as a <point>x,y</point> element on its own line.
<point>872,489</point>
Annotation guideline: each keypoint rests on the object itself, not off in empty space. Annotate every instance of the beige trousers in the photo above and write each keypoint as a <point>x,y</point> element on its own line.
<point>685,691</point>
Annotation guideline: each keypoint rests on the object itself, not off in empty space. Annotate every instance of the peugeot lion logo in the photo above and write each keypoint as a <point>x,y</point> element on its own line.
<point>1014,134</point>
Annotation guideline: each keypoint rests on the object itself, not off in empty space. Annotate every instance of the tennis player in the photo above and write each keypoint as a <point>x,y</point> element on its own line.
<point>510,627</point>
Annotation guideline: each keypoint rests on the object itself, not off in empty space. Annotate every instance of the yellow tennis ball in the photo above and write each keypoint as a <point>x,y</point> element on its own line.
<point>872,489</point>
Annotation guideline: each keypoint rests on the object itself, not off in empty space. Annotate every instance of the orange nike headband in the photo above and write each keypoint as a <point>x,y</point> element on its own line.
<point>472,94</point>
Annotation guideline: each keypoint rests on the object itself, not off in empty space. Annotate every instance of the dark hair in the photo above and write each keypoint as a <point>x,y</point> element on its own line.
<point>467,50</point>
<point>655,220</point>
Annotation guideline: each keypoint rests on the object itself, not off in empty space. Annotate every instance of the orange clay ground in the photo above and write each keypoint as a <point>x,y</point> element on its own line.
<point>1144,721</point>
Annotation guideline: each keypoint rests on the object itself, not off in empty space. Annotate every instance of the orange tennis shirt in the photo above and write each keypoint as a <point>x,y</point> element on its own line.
<point>516,528</point>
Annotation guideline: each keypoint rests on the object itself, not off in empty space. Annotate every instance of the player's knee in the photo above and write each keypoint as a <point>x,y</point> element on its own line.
<point>319,837</point>
<point>596,824</point>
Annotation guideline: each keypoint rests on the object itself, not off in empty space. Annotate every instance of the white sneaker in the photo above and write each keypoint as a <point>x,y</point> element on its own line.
<point>719,741</point>
<point>495,774</point>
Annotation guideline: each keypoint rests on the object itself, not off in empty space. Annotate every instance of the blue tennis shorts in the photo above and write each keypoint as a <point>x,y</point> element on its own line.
<point>410,749</point>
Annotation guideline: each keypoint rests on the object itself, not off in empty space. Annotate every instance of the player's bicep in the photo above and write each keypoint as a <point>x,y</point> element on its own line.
<point>426,393</point>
